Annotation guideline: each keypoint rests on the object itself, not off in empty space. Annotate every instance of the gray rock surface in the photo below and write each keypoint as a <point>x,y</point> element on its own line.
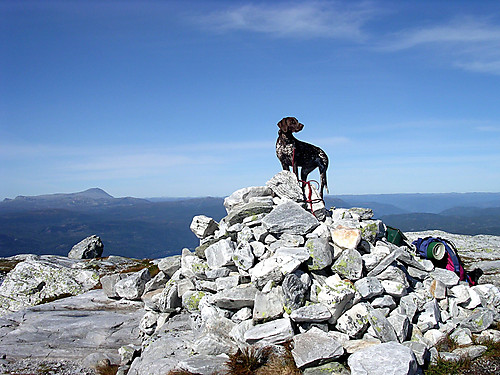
<point>72,328</point>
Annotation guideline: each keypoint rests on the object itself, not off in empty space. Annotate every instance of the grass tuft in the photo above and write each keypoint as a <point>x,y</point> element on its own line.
<point>244,362</point>
<point>107,369</point>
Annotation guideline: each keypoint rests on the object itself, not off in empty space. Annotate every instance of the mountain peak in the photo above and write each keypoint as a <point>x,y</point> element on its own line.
<point>95,193</point>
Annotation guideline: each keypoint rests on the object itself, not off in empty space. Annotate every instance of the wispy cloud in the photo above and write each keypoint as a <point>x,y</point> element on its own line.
<point>488,129</point>
<point>303,20</point>
<point>471,43</point>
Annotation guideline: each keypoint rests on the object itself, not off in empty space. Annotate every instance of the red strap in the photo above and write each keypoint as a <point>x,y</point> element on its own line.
<point>308,183</point>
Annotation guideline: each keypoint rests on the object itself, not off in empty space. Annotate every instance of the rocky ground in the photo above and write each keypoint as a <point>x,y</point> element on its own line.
<point>328,284</point>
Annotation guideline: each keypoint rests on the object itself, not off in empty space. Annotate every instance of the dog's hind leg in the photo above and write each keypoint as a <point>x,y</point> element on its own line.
<point>323,182</point>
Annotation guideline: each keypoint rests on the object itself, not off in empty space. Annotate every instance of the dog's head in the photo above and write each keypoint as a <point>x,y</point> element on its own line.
<point>290,124</point>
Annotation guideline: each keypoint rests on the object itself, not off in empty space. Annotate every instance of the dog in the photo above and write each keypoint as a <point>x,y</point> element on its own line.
<point>294,153</point>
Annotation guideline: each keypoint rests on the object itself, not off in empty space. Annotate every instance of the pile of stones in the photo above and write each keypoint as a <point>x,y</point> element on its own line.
<point>328,282</point>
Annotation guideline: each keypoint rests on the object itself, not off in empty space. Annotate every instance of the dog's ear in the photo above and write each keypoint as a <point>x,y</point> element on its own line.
<point>283,124</point>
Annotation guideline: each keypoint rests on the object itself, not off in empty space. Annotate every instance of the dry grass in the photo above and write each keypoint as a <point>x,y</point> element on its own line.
<point>107,369</point>
<point>179,372</point>
<point>244,362</point>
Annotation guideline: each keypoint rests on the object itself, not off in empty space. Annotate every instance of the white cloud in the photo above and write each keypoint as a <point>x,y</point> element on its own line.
<point>488,129</point>
<point>304,20</point>
<point>472,43</point>
<point>457,31</point>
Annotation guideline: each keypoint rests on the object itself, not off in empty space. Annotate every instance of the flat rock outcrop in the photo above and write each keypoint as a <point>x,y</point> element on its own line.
<point>82,329</point>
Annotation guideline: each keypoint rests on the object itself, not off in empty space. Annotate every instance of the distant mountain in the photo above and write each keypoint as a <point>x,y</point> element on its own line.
<point>153,228</point>
<point>379,209</point>
<point>92,198</point>
<point>424,203</point>
<point>131,227</point>
<point>469,221</point>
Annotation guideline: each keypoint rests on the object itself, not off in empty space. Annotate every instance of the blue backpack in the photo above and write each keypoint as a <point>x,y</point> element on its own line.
<point>423,243</point>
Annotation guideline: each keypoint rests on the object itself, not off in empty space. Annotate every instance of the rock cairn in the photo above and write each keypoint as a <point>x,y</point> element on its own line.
<point>270,273</point>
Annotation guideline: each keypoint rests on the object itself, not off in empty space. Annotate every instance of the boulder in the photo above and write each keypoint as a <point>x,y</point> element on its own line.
<point>447,277</point>
<point>132,286</point>
<point>170,265</point>
<point>330,368</point>
<point>315,347</point>
<point>274,332</point>
<point>108,283</point>
<point>251,209</point>
<point>191,300</point>
<point>268,306</point>
<point>285,185</point>
<point>354,321</point>
<point>220,254</point>
<point>382,328</point>
<point>387,358</point>
<point>203,226</point>
<point>346,238</point>
<point>336,296</point>
<point>320,252</point>
<point>88,248</point>
<point>369,287</point>
<point>314,313</point>
<point>349,265</point>
<point>243,256</point>
<point>291,218</point>
<point>480,320</point>
<point>164,300</point>
<point>246,195</point>
<point>202,364</point>
<point>236,298</point>
<point>294,291</point>
<point>372,230</point>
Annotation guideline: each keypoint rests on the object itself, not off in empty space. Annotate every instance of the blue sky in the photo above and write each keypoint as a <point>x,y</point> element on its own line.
<point>182,98</point>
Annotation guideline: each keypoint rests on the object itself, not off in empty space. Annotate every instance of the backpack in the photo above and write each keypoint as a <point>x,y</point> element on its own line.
<point>454,262</point>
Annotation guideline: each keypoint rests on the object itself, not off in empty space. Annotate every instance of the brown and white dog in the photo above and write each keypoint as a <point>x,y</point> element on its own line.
<point>294,153</point>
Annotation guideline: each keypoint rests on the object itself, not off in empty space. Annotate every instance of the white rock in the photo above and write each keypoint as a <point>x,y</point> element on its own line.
<point>394,288</point>
<point>369,287</point>
<point>383,359</point>
<point>315,347</point>
<point>433,336</point>
<point>132,287</point>
<point>447,277</point>
<point>203,226</point>
<point>336,297</point>
<point>346,238</point>
<point>268,306</point>
<point>354,321</point>
<point>461,293</point>
<point>220,254</point>
<point>273,332</point>
<point>312,313</point>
